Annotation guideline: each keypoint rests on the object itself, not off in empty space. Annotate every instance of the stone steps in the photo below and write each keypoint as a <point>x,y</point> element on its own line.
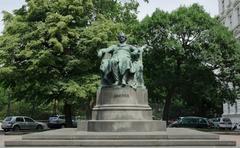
<point>185,138</point>
<point>139,147</point>
<point>120,137</point>
<point>112,143</point>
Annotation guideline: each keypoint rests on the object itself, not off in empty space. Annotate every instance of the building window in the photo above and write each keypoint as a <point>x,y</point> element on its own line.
<point>229,3</point>
<point>230,21</point>
<point>223,5</point>
<point>238,15</point>
<point>236,108</point>
<point>228,108</point>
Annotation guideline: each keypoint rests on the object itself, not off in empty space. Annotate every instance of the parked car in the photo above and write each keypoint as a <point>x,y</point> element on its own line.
<point>58,121</point>
<point>191,122</point>
<point>236,126</point>
<point>222,123</point>
<point>1,126</point>
<point>17,123</point>
<point>215,121</point>
<point>212,124</point>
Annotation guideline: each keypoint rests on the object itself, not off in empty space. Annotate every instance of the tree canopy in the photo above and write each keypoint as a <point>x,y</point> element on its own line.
<point>194,59</point>
<point>48,47</point>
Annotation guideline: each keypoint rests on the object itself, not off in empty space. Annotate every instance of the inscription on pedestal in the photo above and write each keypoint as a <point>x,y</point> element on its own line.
<point>121,95</point>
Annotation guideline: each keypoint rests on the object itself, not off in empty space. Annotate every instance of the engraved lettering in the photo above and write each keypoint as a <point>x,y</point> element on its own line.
<point>121,95</point>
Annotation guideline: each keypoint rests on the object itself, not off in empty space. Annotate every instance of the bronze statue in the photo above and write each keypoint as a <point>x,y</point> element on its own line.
<point>122,64</point>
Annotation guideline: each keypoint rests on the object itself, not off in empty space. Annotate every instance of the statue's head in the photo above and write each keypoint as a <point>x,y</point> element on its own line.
<point>122,37</point>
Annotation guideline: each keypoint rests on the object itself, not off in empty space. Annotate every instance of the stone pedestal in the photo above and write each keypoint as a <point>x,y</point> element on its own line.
<point>123,109</point>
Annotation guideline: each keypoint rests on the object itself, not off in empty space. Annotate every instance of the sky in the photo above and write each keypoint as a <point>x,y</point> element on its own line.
<point>211,6</point>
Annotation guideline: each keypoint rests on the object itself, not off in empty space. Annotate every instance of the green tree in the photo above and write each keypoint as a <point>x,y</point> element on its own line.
<point>194,58</point>
<point>48,48</point>
<point>4,101</point>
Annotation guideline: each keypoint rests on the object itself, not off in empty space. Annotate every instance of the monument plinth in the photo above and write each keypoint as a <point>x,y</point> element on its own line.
<point>122,104</point>
<point>123,109</point>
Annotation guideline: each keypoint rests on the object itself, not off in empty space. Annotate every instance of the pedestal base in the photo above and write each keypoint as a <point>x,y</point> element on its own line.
<point>122,126</point>
<point>124,103</point>
<point>122,109</point>
<point>177,138</point>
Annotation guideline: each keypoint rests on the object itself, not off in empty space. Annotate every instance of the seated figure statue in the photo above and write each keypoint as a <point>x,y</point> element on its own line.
<point>121,64</point>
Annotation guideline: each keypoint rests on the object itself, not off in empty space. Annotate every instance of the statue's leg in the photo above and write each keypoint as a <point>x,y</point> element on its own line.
<point>115,72</point>
<point>125,77</point>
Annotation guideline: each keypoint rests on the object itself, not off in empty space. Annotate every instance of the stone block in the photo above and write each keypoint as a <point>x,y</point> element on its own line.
<point>126,125</point>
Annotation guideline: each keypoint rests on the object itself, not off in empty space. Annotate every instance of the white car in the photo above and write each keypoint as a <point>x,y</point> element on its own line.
<point>225,123</point>
<point>222,123</point>
<point>1,126</point>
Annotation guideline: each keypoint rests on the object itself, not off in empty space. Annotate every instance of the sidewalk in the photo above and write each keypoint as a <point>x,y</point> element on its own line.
<point>18,137</point>
<point>231,137</point>
<point>3,138</point>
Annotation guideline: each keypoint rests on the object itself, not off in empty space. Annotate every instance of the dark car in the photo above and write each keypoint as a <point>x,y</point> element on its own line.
<point>58,121</point>
<point>191,122</point>
<point>212,124</point>
<point>17,123</point>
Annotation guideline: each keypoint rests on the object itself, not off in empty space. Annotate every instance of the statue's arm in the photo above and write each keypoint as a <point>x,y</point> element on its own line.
<point>134,50</point>
<point>105,50</point>
<point>145,47</point>
<point>137,51</point>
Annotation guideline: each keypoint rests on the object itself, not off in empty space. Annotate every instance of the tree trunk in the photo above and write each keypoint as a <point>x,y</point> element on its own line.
<point>171,91</point>
<point>68,114</point>
<point>9,104</point>
<point>88,114</point>
<point>90,105</point>
<point>55,110</point>
<point>33,109</point>
<point>9,107</point>
<point>168,101</point>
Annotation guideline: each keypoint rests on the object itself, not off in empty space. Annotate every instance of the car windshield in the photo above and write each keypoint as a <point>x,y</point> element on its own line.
<point>8,119</point>
<point>56,117</point>
<point>61,117</point>
<point>179,118</point>
<point>53,118</point>
<point>226,120</point>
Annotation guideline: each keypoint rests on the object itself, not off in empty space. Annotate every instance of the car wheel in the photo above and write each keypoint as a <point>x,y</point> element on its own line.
<point>39,127</point>
<point>16,128</point>
<point>5,130</point>
<point>234,128</point>
<point>63,126</point>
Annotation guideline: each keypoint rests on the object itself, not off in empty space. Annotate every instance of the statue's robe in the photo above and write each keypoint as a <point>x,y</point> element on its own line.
<point>122,55</point>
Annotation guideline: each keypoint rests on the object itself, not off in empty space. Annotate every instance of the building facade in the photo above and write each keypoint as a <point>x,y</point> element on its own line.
<point>229,15</point>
